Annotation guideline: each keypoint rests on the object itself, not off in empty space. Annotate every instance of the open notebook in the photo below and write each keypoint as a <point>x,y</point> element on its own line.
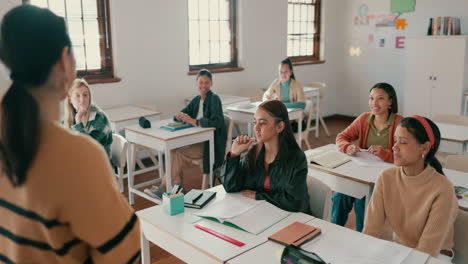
<point>239,212</point>
<point>328,158</point>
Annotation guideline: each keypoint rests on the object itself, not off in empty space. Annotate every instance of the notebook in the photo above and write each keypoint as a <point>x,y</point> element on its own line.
<point>328,158</point>
<point>295,234</point>
<point>198,198</point>
<point>174,126</point>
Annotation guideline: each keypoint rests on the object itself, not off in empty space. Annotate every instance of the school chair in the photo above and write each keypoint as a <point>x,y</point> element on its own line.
<point>461,238</point>
<point>457,162</point>
<point>254,94</point>
<point>319,198</point>
<point>119,150</point>
<point>451,119</point>
<point>322,87</point>
<point>308,116</point>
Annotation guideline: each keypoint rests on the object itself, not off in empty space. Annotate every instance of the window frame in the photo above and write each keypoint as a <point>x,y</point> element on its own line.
<point>106,73</point>
<point>233,65</point>
<point>315,58</point>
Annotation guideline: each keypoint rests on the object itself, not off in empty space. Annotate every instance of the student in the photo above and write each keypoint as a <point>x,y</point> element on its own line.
<point>53,206</point>
<point>287,90</point>
<point>415,198</point>
<point>83,116</point>
<point>275,168</point>
<point>204,110</point>
<point>372,131</point>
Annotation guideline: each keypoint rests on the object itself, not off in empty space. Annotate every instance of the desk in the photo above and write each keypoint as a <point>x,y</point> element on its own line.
<point>177,235</point>
<point>246,114</point>
<point>333,235</point>
<point>357,181</point>
<point>121,117</point>
<point>465,103</point>
<point>454,133</point>
<point>163,141</point>
<point>459,178</point>
<point>226,100</point>
<point>310,92</point>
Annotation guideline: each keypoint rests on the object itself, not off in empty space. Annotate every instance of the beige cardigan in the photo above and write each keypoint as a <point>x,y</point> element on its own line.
<point>296,91</point>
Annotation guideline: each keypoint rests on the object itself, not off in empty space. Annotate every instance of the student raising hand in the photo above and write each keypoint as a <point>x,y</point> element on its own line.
<point>241,145</point>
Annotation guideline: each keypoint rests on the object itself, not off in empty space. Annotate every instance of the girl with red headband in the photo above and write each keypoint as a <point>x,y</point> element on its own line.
<point>415,198</point>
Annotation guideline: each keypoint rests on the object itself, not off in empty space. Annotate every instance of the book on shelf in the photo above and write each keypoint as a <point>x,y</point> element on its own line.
<point>330,158</point>
<point>174,126</point>
<point>238,212</point>
<point>198,198</point>
<point>444,26</point>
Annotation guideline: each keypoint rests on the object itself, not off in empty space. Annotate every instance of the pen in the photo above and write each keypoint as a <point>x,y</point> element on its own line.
<point>219,235</point>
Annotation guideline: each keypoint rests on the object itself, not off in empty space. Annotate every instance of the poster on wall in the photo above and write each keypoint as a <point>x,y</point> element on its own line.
<point>403,6</point>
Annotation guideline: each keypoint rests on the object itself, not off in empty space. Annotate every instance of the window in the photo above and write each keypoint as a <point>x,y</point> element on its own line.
<point>89,28</point>
<point>212,35</point>
<point>304,31</point>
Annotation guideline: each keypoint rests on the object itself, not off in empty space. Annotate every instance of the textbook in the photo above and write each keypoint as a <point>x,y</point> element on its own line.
<point>328,158</point>
<point>198,198</point>
<point>253,216</point>
<point>174,126</point>
<point>295,234</point>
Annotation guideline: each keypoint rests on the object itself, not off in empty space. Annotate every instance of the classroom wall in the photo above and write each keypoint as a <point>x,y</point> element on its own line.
<point>384,64</point>
<point>150,43</point>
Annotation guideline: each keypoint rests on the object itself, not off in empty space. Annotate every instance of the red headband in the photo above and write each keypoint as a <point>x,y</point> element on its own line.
<point>427,127</point>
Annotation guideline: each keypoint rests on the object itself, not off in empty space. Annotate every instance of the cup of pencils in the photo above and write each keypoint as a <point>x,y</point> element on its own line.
<point>173,202</point>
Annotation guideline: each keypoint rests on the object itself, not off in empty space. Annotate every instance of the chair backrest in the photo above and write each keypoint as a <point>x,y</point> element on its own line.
<point>451,119</point>
<point>461,238</point>
<point>319,198</point>
<point>255,94</point>
<point>322,86</point>
<point>119,150</point>
<point>457,162</point>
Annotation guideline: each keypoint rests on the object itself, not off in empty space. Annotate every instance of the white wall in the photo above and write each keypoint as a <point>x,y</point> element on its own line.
<point>384,64</point>
<point>151,52</point>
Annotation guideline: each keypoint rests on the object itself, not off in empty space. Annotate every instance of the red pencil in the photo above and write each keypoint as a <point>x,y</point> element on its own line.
<point>223,237</point>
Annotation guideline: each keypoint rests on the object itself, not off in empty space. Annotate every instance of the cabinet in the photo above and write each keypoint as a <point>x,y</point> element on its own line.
<point>436,75</point>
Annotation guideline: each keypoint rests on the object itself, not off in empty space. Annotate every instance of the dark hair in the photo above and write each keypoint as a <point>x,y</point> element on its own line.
<point>286,142</point>
<point>417,130</point>
<point>204,72</point>
<point>391,94</point>
<point>288,62</point>
<point>31,42</point>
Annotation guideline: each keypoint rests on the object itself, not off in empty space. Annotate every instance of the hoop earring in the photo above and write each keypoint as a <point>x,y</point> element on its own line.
<point>422,156</point>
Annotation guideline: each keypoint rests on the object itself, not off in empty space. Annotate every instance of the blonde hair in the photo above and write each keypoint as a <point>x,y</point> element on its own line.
<point>69,110</point>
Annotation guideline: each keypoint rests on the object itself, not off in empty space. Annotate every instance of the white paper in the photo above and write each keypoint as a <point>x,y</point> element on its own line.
<point>339,245</point>
<point>229,207</point>
<point>365,159</point>
<point>259,218</point>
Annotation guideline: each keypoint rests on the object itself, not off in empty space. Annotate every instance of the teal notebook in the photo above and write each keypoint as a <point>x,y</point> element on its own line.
<point>174,126</point>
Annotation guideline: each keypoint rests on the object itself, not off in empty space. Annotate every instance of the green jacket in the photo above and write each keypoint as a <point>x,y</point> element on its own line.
<point>98,127</point>
<point>212,117</point>
<point>287,180</point>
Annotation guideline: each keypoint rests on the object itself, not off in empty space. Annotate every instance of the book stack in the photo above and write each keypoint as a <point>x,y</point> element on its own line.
<point>174,126</point>
<point>444,26</point>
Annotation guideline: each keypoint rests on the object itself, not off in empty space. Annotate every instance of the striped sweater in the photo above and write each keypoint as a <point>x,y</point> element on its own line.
<point>69,210</point>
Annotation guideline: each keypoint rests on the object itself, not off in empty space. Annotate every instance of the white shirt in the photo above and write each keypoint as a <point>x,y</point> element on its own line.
<point>200,110</point>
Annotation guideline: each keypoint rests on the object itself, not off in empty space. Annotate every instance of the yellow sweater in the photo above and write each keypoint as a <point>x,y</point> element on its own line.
<point>420,209</point>
<point>296,91</point>
<point>69,210</point>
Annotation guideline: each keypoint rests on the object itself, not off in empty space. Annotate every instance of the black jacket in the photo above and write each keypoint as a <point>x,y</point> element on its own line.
<point>287,180</point>
<point>212,117</point>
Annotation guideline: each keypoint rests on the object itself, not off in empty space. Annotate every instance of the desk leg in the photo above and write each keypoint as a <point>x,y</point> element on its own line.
<point>369,194</point>
<point>160,160</point>
<point>168,171</point>
<point>229,142</point>
<point>145,250</point>
<point>131,171</point>
<point>464,148</point>
<point>317,115</point>
<point>212,158</point>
